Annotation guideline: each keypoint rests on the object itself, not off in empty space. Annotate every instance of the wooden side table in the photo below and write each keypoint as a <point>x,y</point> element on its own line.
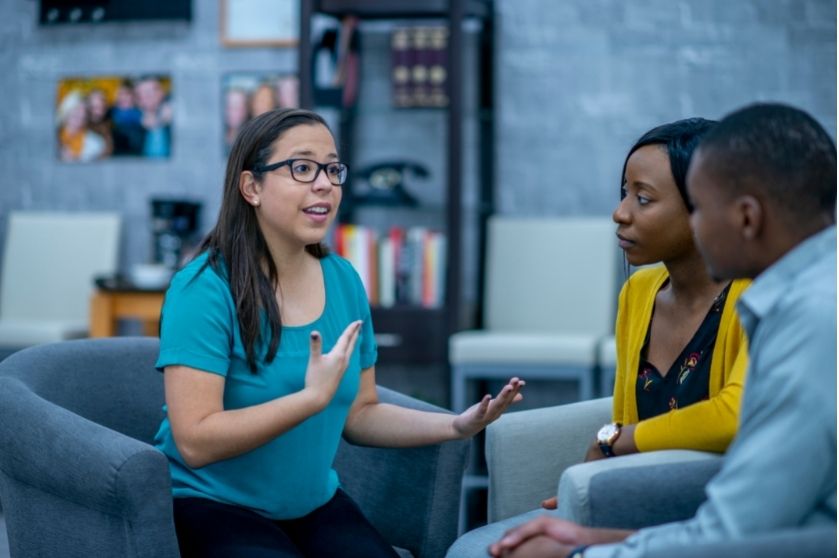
<point>109,305</point>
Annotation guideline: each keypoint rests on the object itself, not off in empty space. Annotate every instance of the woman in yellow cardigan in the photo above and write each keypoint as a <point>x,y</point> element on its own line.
<point>681,353</point>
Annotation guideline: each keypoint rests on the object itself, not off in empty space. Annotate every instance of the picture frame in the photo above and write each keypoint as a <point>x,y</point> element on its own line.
<point>100,117</point>
<point>247,94</point>
<point>259,23</point>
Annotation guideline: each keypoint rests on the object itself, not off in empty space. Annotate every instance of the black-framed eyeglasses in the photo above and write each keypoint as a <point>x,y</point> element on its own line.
<point>307,171</point>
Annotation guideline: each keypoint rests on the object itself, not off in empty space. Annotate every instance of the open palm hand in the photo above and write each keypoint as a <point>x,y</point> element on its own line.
<point>478,416</point>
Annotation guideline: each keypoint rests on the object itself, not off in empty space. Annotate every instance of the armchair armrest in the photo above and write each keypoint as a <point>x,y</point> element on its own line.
<point>802,542</point>
<point>51,458</point>
<point>527,452</point>
<point>635,491</point>
<point>411,495</point>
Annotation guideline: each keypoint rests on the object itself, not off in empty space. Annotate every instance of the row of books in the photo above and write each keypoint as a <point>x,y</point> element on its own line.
<point>419,66</point>
<point>400,267</point>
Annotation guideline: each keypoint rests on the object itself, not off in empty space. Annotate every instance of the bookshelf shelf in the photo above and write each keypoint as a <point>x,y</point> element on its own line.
<point>400,9</point>
<point>415,334</point>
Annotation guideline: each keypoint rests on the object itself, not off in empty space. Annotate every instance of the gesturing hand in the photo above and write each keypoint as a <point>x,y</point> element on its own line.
<point>478,416</point>
<point>324,372</point>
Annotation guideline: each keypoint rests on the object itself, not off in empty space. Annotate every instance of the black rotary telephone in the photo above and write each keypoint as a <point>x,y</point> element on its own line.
<point>385,183</point>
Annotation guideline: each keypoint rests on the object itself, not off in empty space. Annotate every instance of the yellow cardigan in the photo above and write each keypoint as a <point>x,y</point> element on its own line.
<point>707,425</point>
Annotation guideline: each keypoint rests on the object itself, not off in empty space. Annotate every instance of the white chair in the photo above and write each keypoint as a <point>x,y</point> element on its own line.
<point>607,359</point>
<point>550,298</point>
<point>50,260</point>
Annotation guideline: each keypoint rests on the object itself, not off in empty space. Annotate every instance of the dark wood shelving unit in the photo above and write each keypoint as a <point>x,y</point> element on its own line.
<point>413,335</point>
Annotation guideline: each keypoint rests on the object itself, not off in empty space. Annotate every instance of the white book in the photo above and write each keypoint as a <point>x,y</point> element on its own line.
<point>387,273</point>
<point>361,257</point>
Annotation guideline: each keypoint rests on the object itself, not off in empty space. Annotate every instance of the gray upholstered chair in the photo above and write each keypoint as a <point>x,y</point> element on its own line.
<point>78,477</point>
<point>533,454</point>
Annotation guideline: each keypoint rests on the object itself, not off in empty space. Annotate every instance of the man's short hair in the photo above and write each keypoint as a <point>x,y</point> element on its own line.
<point>779,151</point>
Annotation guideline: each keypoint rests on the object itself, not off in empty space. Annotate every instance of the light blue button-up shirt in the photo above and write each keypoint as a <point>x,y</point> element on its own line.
<point>780,471</point>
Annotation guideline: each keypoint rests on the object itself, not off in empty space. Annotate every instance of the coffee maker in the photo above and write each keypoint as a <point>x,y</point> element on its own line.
<point>174,226</point>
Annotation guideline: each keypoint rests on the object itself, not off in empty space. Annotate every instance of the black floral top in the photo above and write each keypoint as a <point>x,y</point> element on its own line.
<point>686,382</point>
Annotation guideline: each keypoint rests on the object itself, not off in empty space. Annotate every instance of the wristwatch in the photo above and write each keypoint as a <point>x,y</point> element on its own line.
<point>607,436</point>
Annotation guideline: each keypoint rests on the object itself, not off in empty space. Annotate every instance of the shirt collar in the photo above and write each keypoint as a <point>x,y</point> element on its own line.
<point>774,282</point>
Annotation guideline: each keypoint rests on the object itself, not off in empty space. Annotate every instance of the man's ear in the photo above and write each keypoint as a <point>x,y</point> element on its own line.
<point>751,216</point>
<point>249,188</point>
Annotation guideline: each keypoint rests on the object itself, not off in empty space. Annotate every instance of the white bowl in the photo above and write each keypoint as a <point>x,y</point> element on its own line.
<point>150,276</point>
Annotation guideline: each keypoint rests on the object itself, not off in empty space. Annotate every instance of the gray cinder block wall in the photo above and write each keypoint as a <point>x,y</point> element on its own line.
<point>576,82</point>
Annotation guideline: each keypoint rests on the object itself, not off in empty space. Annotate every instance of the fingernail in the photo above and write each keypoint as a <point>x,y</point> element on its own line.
<point>314,335</point>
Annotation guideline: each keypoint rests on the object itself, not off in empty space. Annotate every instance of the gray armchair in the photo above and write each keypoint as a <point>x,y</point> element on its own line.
<point>78,477</point>
<point>533,454</point>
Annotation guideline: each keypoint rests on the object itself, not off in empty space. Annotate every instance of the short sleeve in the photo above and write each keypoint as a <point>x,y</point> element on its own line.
<point>197,321</point>
<point>353,287</point>
<point>367,338</point>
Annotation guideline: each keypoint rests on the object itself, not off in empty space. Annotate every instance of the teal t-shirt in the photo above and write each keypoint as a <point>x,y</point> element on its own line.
<point>292,475</point>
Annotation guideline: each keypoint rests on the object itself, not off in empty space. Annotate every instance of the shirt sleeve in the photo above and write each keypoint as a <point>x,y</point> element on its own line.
<point>782,465</point>
<point>353,286</point>
<point>197,323</point>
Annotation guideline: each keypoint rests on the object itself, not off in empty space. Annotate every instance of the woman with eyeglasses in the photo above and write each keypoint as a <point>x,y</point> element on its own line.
<point>268,355</point>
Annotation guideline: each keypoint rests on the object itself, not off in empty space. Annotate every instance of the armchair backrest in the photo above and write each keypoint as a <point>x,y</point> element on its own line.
<point>50,260</point>
<point>551,274</point>
<point>112,382</point>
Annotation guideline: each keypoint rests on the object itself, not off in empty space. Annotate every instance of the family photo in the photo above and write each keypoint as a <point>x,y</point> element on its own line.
<point>113,116</point>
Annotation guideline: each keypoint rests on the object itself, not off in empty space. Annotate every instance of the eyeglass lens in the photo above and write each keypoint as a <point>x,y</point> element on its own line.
<point>304,170</point>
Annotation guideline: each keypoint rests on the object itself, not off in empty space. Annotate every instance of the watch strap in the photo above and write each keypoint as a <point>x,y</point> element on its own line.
<point>607,450</point>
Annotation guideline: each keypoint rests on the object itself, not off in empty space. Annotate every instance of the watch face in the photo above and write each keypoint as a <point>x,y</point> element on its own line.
<point>607,433</point>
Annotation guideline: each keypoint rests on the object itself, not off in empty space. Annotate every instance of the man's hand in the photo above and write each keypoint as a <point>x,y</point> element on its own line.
<point>557,530</point>
<point>540,547</point>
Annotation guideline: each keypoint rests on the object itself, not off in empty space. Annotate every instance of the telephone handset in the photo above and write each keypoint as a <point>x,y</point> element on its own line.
<point>387,182</point>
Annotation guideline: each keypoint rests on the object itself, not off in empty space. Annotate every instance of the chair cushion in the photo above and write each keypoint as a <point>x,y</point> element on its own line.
<point>522,348</point>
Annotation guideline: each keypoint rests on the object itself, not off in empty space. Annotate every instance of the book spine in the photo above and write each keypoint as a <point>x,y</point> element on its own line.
<point>387,273</point>
<point>438,67</point>
<point>416,239</point>
<point>372,249</point>
<point>419,71</point>
<point>440,269</point>
<point>401,62</point>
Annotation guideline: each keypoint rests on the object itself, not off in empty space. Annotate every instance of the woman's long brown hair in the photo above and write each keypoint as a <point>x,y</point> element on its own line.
<point>236,247</point>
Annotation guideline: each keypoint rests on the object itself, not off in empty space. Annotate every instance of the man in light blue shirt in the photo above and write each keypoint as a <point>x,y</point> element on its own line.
<point>763,186</point>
